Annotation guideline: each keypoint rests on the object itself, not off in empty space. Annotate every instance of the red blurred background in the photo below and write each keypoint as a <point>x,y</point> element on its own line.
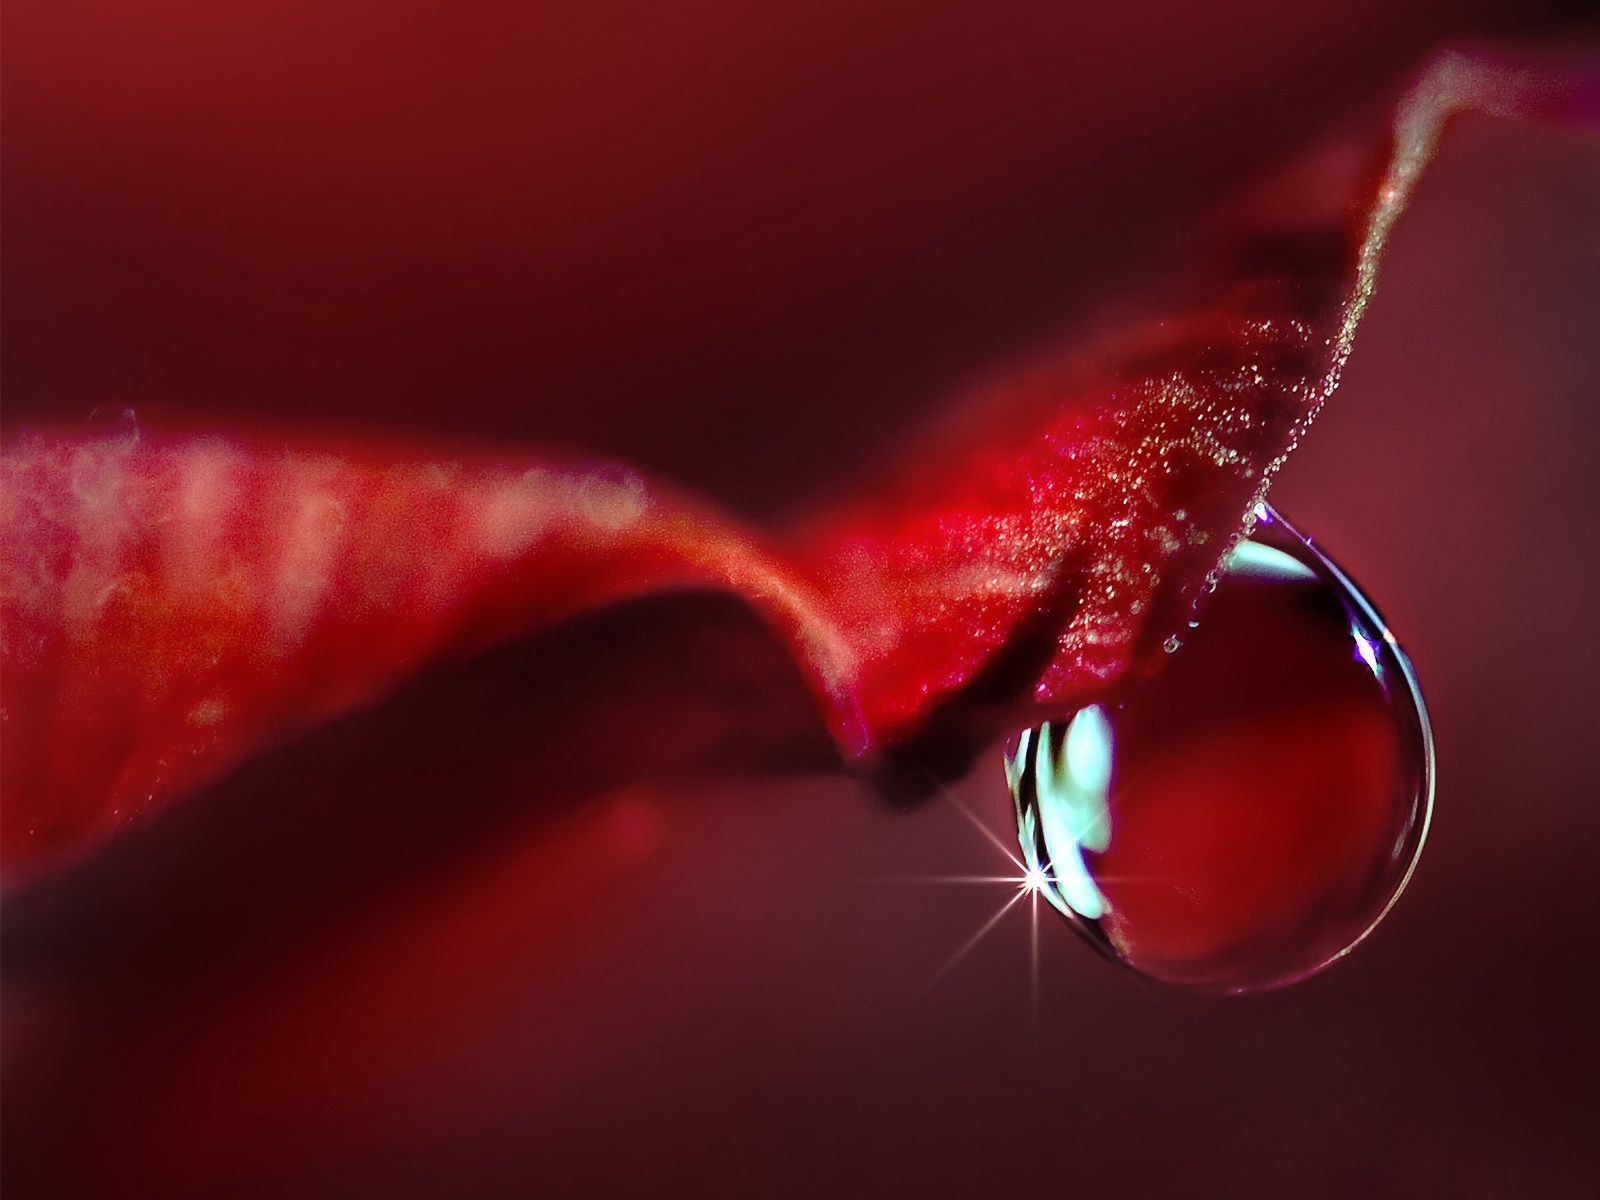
<point>453,945</point>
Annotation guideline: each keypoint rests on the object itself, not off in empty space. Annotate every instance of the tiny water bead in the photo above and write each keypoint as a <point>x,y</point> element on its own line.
<point>1248,813</point>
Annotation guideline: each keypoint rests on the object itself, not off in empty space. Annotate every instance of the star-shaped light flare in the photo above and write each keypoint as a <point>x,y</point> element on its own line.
<point>1024,883</point>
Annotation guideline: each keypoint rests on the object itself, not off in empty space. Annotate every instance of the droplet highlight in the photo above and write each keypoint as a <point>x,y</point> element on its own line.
<point>1247,813</point>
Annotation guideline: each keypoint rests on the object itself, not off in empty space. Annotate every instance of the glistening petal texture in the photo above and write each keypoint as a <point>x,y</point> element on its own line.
<point>1106,486</point>
<point>169,608</point>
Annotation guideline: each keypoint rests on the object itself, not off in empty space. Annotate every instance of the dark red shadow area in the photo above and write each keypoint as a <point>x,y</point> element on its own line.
<point>188,944</point>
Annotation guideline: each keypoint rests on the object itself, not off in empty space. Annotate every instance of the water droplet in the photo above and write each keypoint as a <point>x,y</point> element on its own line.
<point>1247,814</point>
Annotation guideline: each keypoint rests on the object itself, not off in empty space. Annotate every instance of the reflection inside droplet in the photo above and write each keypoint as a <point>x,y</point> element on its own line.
<point>1246,814</point>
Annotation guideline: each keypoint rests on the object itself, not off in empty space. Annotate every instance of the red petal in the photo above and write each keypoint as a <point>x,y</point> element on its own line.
<point>1072,527</point>
<point>170,607</point>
